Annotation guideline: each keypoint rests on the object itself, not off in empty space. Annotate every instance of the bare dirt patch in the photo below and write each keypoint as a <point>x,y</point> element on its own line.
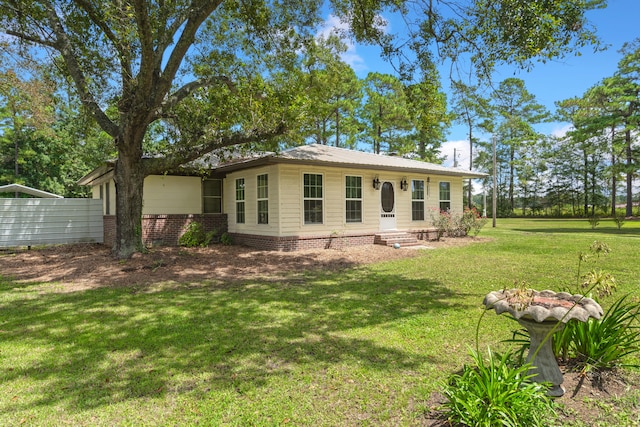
<point>87,266</point>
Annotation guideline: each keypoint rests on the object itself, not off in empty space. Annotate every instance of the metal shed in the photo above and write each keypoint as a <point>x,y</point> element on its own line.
<point>48,219</point>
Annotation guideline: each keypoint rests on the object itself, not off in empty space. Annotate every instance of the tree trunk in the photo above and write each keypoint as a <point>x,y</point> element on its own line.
<point>337,127</point>
<point>614,179</point>
<point>593,186</point>
<point>585,181</point>
<point>614,184</point>
<point>469,190</point>
<point>129,181</point>
<point>512,160</point>
<point>629,210</point>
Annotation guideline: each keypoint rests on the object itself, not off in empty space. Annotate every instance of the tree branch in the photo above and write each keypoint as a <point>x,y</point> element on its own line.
<point>124,51</point>
<point>174,160</point>
<point>32,39</point>
<point>185,91</point>
<point>200,12</point>
<point>63,45</point>
<point>147,62</point>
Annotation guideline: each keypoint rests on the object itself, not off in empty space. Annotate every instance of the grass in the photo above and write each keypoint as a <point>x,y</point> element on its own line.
<point>361,347</point>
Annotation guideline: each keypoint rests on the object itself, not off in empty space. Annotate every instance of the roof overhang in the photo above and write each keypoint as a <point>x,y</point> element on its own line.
<point>314,154</point>
<point>18,188</point>
<point>348,159</point>
<point>98,175</point>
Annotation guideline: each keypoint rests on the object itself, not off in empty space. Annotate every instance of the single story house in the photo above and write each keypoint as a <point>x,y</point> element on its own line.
<point>310,196</point>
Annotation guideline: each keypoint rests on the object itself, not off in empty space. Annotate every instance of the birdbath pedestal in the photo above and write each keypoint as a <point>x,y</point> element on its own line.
<point>543,313</point>
<point>543,362</point>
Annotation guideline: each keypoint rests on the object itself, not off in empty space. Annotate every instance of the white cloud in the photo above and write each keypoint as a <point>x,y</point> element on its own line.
<point>334,26</point>
<point>461,150</point>
<point>561,130</point>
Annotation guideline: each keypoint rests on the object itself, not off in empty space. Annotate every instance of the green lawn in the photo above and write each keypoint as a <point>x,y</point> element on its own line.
<point>362,347</point>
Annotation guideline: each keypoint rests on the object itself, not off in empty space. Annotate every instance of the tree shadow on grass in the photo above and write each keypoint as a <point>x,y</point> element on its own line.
<point>108,345</point>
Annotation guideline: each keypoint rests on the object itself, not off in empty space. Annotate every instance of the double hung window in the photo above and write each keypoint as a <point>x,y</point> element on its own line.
<point>312,198</point>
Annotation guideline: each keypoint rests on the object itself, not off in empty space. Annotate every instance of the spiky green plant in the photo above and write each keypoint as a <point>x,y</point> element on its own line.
<point>602,344</point>
<point>494,392</point>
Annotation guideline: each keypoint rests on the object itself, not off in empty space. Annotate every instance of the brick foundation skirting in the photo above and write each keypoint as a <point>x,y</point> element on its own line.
<point>425,234</point>
<point>166,229</point>
<point>296,243</point>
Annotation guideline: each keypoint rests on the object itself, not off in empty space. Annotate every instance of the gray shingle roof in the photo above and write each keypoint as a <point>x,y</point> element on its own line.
<point>345,158</point>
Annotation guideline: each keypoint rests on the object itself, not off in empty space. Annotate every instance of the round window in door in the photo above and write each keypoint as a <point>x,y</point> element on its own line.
<point>387,197</point>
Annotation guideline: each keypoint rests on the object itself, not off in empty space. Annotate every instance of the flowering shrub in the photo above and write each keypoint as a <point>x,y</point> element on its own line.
<point>472,221</point>
<point>452,225</point>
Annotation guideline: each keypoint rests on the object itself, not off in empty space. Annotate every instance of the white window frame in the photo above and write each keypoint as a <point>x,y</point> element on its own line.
<point>415,199</point>
<point>205,197</point>
<point>240,191</point>
<point>440,194</point>
<point>306,199</point>
<point>352,199</point>
<point>262,199</point>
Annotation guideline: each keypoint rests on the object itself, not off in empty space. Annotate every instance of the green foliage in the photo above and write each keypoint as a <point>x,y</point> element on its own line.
<point>472,222</point>
<point>595,281</point>
<point>619,219</point>
<point>195,235</point>
<point>494,392</point>
<point>455,225</point>
<point>226,239</point>
<point>604,343</point>
<point>594,221</point>
<point>244,68</point>
<point>386,114</point>
<point>443,222</point>
<point>333,93</point>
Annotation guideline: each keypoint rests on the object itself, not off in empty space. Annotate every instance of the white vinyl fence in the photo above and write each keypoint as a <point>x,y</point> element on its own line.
<point>27,222</point>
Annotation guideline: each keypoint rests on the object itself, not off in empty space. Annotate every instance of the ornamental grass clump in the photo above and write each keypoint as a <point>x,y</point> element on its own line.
<point>605,343</point>
<point>496,392</point>
<point>601,344</point>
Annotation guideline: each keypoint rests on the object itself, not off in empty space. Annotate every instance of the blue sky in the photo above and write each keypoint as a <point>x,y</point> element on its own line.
<point>572,76</point>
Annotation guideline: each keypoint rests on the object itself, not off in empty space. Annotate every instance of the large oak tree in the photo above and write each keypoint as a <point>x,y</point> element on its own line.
<point>219,73</point>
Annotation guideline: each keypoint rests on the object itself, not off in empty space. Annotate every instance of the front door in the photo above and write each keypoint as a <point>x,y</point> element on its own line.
<point>387,207</point>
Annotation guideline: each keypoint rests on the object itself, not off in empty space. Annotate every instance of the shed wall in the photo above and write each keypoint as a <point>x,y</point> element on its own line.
<point>28,222</point>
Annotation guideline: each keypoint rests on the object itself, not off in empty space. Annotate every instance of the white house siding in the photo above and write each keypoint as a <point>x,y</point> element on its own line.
<point>163,195</point>
<point>166,194</point>
<point>251,225</point>
<point>286,202</point>
<point>432,200</point>
<point>333,201</point>
<point>106,191</point>
<point>27,222</point>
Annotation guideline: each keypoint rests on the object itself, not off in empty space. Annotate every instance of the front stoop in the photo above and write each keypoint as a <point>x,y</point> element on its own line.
<point>391,238</point>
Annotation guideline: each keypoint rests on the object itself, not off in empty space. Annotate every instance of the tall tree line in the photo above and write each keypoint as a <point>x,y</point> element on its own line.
<point>45,140</point>
<point>588,171</point>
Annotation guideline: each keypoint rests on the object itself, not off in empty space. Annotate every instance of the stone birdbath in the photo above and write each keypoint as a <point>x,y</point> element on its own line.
<point>542,312</point>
